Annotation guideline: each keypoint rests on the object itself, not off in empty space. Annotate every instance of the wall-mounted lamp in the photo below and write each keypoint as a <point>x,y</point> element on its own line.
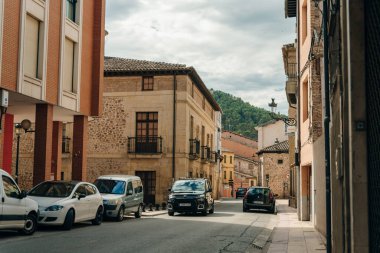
<point>286,120</point>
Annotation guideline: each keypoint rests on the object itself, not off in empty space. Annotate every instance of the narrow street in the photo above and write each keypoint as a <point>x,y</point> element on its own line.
<point>227,230</point>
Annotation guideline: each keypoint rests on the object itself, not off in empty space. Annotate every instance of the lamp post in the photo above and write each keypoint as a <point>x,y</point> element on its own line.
<point>18,128</point>
<point>25,125</point>
<point>287,121</point>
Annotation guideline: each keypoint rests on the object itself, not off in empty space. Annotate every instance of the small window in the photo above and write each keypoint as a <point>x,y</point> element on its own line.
<point>129,187</point>
<point>225,159</point>
<point>230,159</point>
<point>147,83</point>
<point>90,190</point>
<point>230,174</point>
<point>71,8</point>
<point>10,188</point>
<point>280,161</point>
<point>190,174</point>
<point>225,174</point>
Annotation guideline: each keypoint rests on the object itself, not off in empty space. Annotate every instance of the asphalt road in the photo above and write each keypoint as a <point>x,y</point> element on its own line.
<point>227,230</point>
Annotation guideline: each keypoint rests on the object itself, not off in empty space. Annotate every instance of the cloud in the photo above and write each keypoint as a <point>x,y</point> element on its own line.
<point>234,45</point>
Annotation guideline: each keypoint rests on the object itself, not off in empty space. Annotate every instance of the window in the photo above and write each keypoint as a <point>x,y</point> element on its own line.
<point>230,174</point>
<point>71,8</point>
<point>147,83</point>
<point>204,103</point>
<point>225,174</point>
<point>304,21</point>
<point>81,190</point>
<point>280,161</point>
<point>90,190</point>
<point>305,101</point>
<point>225,159</point>
<point>69,83</point>
<point>129,188</point>
<point>146,132</point>
<point>191,127</point>
<point>10,188</point>
<point>190,174</point>
<point>203,136</point>
<point>231,159</point>
<point>32,48</point>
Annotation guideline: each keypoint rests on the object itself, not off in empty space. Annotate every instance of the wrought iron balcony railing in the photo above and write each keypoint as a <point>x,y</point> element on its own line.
<point>195,148</point>
<point>205,153</point>
<point>145,145</point>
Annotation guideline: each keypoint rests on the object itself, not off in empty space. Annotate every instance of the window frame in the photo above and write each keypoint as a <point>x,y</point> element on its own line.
<point>149,86</point>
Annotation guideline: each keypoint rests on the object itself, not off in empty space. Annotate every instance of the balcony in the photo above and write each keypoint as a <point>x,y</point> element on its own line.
<point>205,154</point>
<point>145,145</point>
<point>194,149</point>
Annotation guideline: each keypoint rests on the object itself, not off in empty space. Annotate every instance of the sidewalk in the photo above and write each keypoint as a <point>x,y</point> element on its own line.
<point>291,235</point>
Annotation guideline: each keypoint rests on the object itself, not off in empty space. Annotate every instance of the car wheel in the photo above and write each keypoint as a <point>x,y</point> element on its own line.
<point>273,209</point>
<point>139,212</point>
<point>30,225</point>
<point>69,220</point>
<point>99,217</point>
<point>120,214</point>
<point>170,213</point>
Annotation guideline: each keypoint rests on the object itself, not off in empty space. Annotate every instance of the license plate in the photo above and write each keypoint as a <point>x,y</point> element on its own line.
<point>184,204</point>
<point>258,202</point>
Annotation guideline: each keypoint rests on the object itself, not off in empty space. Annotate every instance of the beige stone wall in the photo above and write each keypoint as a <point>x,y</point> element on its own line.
<point>123,98</point>
<point>278,173</point>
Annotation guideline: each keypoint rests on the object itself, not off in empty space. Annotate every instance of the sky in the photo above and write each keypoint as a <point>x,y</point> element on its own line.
<point>235,45</point>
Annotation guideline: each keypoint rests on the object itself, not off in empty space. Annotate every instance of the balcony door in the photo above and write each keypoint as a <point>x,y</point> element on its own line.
<point>146,132</point>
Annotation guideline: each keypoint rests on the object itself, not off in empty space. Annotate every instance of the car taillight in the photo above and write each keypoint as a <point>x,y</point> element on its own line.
<point>271,196</point>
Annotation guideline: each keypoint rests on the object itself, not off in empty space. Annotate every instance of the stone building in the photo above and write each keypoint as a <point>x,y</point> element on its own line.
<point>159,122</point>
<point>275,168</point>
<point>51,72</point>
<point>246,164</point>
<point>290,66</point>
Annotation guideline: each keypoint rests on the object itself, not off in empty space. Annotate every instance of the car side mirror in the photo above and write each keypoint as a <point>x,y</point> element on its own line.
<point>23,194</point>
<point>130,192</point>
<point>81,196</point>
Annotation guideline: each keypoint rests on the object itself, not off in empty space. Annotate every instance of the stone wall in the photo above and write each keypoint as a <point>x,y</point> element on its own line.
<point>278,173</point>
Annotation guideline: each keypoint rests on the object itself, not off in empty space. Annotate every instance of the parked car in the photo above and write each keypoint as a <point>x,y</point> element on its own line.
<point>122,194</point>
<point>240,192</point>
<point>259,198</point>
<point>191,196</point>
<point>17,212</point>
<point>67,202</point>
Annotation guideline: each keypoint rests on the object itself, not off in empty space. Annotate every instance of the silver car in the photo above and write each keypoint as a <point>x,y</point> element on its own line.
<point>122,194</point>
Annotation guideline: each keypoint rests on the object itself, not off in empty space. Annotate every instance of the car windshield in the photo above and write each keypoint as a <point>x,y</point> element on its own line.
<point>53,189</point>
<point>110,186</point>
<point>264,191</point>
<point>188,186</point>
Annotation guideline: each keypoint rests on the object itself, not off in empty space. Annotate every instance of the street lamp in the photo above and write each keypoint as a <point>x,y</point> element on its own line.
<point>287,121</point>
<point>18,128</point>
<point>25,125</point>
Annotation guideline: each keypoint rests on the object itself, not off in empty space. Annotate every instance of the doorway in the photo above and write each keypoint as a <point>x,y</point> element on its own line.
<point>148,179</point>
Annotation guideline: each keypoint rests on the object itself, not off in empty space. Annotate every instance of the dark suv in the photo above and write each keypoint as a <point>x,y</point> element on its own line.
<point>259,198</point>
<point>192,195</point>
<point>240,192</point>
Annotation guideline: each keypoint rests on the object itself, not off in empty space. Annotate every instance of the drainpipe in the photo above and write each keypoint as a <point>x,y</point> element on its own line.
<point>174,122</point>
<point>298,158</point>
<point>327,125</point>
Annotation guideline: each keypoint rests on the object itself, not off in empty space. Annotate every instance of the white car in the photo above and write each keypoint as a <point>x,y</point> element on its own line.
<point>67,202</point>
<point>16,211</point>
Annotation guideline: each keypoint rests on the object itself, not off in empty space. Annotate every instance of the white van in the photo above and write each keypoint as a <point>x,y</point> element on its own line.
<point>17,212</point>
<point>122,194</point>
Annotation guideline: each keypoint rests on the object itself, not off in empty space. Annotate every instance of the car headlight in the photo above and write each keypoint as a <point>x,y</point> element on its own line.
<point>201,196</point>
<point>54,208</point>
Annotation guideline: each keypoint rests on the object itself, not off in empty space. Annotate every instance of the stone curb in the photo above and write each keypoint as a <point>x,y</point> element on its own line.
<point>154,213</point>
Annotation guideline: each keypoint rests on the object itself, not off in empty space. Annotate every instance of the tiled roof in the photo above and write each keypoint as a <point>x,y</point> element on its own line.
<point>282,147</point>
<point>239,149</point>
<point>116,64</point>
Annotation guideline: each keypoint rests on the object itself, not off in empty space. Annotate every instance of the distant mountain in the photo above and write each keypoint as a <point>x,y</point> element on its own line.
<point>239,116</point>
